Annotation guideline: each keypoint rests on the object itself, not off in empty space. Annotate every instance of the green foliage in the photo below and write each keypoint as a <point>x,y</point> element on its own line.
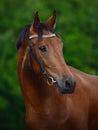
<point>77,24</point>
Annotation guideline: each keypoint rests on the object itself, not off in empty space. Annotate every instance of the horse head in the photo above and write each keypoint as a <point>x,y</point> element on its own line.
<point>45,54</point>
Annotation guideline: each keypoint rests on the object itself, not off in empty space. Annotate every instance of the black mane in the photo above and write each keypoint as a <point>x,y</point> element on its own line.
<point>25,33</point>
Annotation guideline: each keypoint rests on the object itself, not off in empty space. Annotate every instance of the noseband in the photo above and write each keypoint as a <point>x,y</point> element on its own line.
<point>50,79</point>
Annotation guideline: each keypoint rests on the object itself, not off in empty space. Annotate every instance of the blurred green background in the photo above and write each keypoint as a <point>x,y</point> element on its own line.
<point>77,24</point>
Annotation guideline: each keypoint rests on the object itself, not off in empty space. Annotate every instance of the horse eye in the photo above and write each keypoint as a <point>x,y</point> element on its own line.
<point>43,48</point>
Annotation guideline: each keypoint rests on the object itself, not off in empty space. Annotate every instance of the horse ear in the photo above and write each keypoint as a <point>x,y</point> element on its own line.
<point>36,22</point>
<point>51,22</point>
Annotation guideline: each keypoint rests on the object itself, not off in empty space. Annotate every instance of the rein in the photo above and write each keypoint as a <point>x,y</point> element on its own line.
<point>50,79</point>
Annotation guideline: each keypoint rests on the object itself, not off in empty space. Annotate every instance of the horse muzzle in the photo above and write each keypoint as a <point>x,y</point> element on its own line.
<point>66,85</point>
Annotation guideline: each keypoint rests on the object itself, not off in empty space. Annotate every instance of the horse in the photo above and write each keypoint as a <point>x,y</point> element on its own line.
<point>57,96</point>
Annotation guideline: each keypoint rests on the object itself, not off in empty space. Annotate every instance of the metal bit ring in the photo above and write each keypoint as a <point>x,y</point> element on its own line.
<point>50,81</point>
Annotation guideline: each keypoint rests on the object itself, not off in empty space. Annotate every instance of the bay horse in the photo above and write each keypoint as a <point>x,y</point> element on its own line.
<point>57,96</point>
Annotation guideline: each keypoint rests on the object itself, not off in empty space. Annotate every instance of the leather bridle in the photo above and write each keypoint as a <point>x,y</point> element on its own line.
<point>50,79</point>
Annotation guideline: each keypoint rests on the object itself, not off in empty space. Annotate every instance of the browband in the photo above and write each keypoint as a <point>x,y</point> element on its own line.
<point>43,36</point>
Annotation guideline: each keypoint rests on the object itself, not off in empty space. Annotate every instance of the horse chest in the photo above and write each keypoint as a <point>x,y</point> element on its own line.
<point>45,122</point>
<point>58,119</point>
<point>49,120</point>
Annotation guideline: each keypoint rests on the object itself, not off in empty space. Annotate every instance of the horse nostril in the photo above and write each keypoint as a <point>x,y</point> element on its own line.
<point>67,83</point>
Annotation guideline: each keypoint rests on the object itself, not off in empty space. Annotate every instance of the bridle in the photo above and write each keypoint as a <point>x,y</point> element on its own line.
<point>50,79</point>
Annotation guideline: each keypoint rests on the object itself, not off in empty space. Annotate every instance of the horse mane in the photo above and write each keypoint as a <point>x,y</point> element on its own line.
<point>25,33</point>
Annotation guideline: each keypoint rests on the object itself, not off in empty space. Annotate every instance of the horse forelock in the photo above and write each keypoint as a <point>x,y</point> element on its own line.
<point>43,26</point>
